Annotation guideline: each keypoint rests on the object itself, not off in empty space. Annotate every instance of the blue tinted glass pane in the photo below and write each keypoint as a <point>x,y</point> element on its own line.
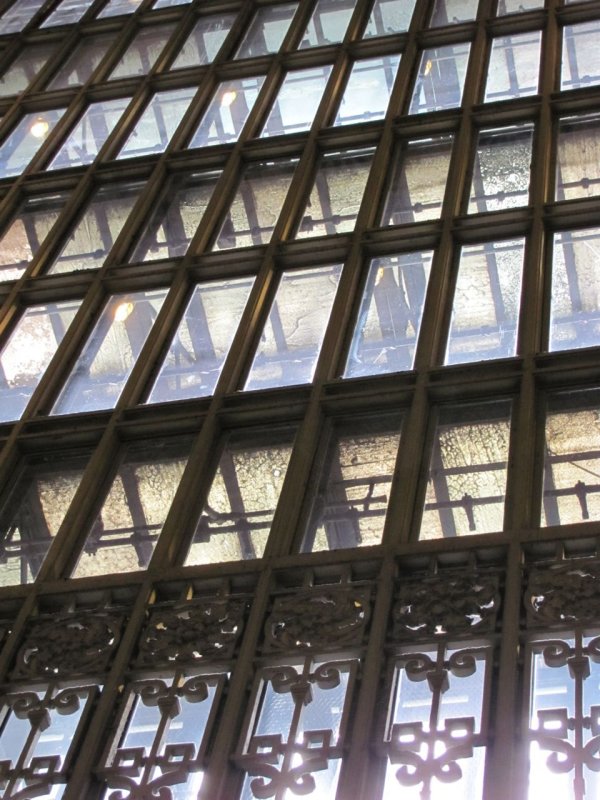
<point>267,31</point>
<point>25,140</point>
<point>368,90</point>
<point>204,42</point>
<point>227,112</point>
<point>154,129</point>
<point>297,101</point>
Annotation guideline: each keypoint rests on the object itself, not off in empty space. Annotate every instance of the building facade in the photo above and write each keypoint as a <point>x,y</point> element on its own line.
<point>299,399</point>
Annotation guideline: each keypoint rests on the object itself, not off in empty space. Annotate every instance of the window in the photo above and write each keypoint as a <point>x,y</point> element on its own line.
<point>514,66</point>
<point>576,173</point>
<point>452,12</point>
<point>19,15</point>
<point>227,112</point>
<point>26,231</point>
<point>440,79</point>
<point>328,23</point>
<point>501,170</point>
<point>88,136</point>
<point>297,101</point>
<point>141,55</point>
<point>368,90</point>
<point>267,31</point>
<point>580,58</point>
<point>26,139</point>
<point>204,41</point>
<point>388,17</point>
<point>154,129</point>
<point>67,12</point>
<point>78,68</point>
<point>25,68</point>
<point>114,8</point>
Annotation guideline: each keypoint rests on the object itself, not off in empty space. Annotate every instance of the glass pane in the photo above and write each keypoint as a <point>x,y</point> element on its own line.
<point>418,182</point>
<point>514,66</point>
<point>80,65</point>
<point>337,193</point>
<point>154,129</point>
<point>368,90</point>
<point>87,137</point>
<point>227,112</point>
<point>19,15</point>
<point>389,317</point>
<point>572,459</point>
<point>28,351</point>
<point>176,217</point>
<point>141,55</point>
<point>34,512</point>
<point>267,31</point>
<point>169,3</point>
<point>328,23</point>
<point>354,486</point>
<point>240,507</point>
<point>198,350</point>
<point>453,12</point>
<point>67,13</point>
<point>25,68</point>
<point>580,56</point>
<point>110,353</point>
<point>578,156</point>
<point>485,310</point>
<point>440,79</point>
<point>25,140</point>
<point>517,6</point>
<point>291,339</point>
<point>124,535</point>
<point>256,206</point>
<point>501,172</point>
<point>297,101</point>
<point>388,17</point>
<point>575,318</point>
<point>116,8</point>
<point>94,235</point>
<point>466,482</point>
<point>204,42</point>
<point>26,231</point>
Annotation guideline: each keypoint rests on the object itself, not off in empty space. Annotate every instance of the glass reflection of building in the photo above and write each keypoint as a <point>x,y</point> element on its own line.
<point>299,399</point>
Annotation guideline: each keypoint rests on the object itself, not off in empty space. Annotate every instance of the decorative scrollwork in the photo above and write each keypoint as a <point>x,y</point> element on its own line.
<point>445,605</point>
<point>191,632</point>
<point>72,644</point>
<point>567,593</point>
<point>317,619</point>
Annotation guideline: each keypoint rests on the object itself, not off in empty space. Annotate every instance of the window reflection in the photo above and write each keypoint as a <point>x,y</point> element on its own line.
<point>227,112</point>
<point>198,350</point>
<point>25,68</point>
<point>204,41</point>
<point>237,515</point>
<point>466,482</point>
<point>67,13</point>
<point>18,16</point>
<point>291,339</point>
<point>453,12</point>
<point>154,129</point>
<point>440,79</point>
<point>578,155</point>
<point>83,61</point>
<point>514,66</point>
<point>297,101</point>
<point>257,204</point>
<point>328,23</point>
<point>501,171</point>
<point>116,8</point>
<point>353,491</point>
<point>142,53</point>
<point>580,56</point>
<point>26,139</point>
<point>388,17</point>
<point>28,351</point>
<point>26,231</point>
<point>517,6</point>
<point>485,310</point>
<point>368,90</point>
<point>267,30</point>
<point>389,317</point>
<point>110,353</point>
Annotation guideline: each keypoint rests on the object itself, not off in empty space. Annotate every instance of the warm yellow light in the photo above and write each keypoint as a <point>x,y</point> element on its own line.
<point>228,98</point>
<point>428,67</point>
<point>122,311</point>
<point>39,128</point>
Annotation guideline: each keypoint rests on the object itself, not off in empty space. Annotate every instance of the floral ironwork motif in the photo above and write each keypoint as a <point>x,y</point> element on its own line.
<point>191,632</point>
<point>71,644</point>
<point>566,593</point>
<point>445,604</point>
<point>318,619</point>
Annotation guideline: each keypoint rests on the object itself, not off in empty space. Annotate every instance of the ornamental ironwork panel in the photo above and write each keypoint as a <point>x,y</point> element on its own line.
<point>564,593</point>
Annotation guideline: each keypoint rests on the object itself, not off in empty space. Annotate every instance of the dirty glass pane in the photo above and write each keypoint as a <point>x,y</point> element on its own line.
<point>88,136</point>
<point>267,30</point>
<point>485,310</point>
<point>389,317</point>
<point>82,62</point>
<point>466,482</point>
<point>198,350</point>
<point>388,17</point>
<point>19,15</point>
<point>514,66</point>
<point>297,101</point>
<point>28,351</point>
<point>255,209</point>
<point>351,500</point>
<point>501,172</point>
<point>418,182</point>
<point>440,79</point>
<point>204,41</point>
<point>453,12</point>
<point>575,318</point>
<point>26,231</point>
<point>337,193</point>
<point>578,156</point>
<point>169,3</point>
<point>141,55</point>
<point>67,13</point>
<point>227,112</point>
<point>517,6</point>
<point>25,140</point>
<point>291,339</point>
<point>580,55</point>
<point>572,459</point>
<point>116,8</point>
<point>328,23</point>
<point>176,217</point>
<point>25,68</point>
<point>154,129</point>
<point>368,90</point>
<point>110,353</point>
<point>94,234</point>
<point>33,512</point>
<point>124,534</point>
<point>237,515</point>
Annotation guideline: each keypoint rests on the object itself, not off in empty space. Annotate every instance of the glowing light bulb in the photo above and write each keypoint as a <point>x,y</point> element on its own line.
<point>228,98</point>
<point>122,311</point>
<point>39,128</point>
<point>428,67</point>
